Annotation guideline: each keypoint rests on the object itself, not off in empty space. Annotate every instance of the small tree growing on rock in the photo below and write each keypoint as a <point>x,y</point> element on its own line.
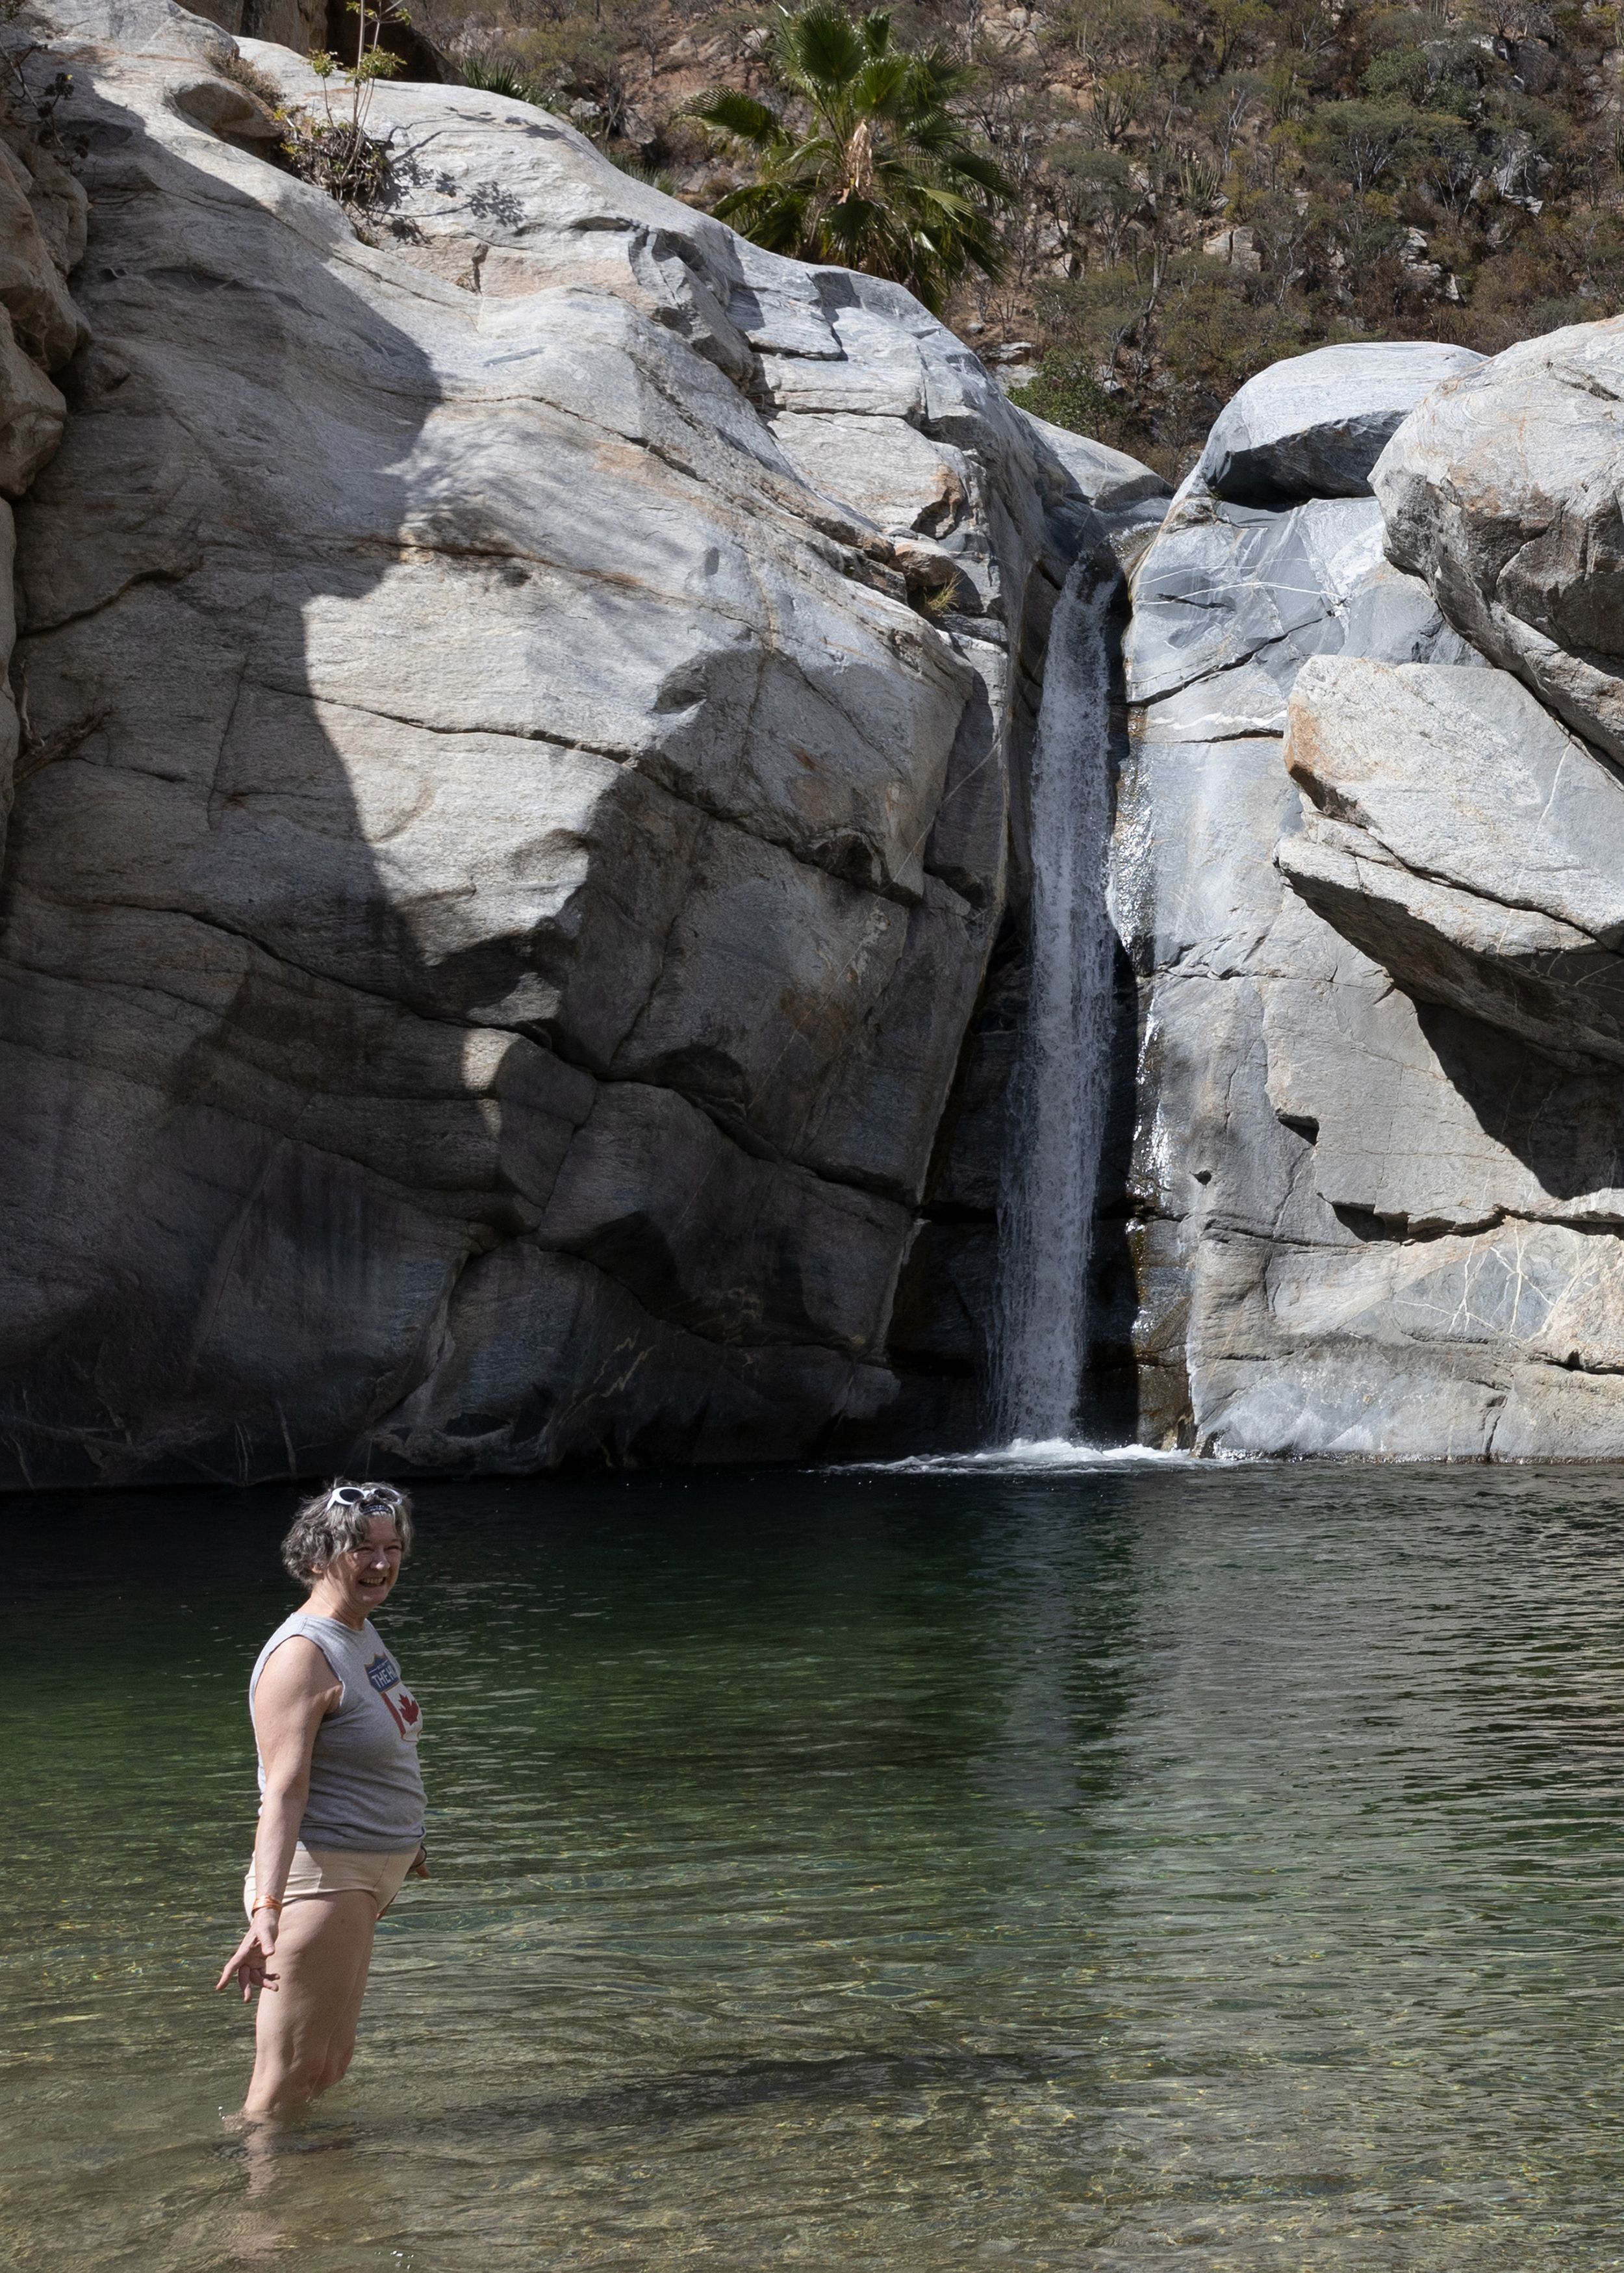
<point>335,151</point>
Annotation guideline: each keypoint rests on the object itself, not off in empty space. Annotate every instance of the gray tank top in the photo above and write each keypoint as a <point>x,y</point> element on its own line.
<point>366,1787</point>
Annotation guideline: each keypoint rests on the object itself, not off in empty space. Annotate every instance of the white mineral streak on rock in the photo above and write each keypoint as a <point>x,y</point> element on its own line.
<point>1057,1098</point>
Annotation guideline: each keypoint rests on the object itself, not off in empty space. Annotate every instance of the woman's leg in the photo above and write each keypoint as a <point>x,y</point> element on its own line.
<point>305,2026</point>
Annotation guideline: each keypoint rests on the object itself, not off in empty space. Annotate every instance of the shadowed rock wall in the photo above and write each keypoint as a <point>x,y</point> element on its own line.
<point>525,712</point>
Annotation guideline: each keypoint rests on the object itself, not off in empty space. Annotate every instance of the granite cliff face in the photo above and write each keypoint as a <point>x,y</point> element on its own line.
<point>515,903</point>
<point>42,225</point>
<point>1370,885</point>
<point>522,715</point>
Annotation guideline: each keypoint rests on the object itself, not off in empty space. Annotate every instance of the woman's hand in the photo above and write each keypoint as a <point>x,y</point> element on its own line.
<point>418,1867</point>
<point>253,1955</point>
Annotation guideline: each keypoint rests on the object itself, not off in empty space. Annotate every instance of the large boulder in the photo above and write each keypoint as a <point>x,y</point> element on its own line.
<point>1315,425</point>
<point>1131,500</point>
<point>1501,1345</point>
<point>1369,1226</point>
<point>1503,490</point>
<point>1373,1202</point>
<point>523,702</point>
<point>1229,604</point>
<point>1110,480</point>
<point>1468,843</point>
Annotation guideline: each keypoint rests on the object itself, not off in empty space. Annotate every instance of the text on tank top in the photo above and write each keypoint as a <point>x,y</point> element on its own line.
<point>366,1787</point>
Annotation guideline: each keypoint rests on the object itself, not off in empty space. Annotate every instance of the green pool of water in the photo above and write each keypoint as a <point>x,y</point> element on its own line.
<point>1178,1866</point>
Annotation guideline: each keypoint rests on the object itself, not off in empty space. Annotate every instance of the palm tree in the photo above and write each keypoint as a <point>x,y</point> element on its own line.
<point>881,176</point>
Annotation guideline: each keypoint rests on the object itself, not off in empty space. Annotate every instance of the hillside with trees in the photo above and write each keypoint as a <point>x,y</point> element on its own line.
<point>1194,190</point>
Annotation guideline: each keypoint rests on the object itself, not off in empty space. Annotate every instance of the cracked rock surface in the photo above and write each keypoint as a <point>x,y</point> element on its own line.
<point>1376,1188</point>
<point>42,223</point>
<point>1472,847</point>
<point>1502,490</point>
<point>520,721</point>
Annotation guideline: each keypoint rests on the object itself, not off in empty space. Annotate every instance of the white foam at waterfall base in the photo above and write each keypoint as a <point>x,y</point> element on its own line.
<point>1057,1456</point>
<point>1058,1095</point>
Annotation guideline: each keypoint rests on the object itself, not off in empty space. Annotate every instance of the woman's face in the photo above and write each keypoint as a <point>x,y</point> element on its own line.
<point>363,1576</point>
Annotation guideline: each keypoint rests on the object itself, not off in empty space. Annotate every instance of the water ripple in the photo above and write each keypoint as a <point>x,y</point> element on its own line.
<point>1105,1864</point>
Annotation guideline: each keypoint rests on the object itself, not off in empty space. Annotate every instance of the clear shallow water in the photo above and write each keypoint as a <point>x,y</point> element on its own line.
<point>1113,1867</point>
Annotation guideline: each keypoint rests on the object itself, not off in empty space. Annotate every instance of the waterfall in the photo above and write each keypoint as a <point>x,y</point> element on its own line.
<point>1058,1095</point>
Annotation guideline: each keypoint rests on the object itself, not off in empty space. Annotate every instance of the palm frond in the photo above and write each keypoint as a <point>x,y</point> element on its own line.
<point>940,79</point>
<point>883,176</point>
<point>819,49</point>
<point>882,87</point>
<point>726,111</point>
<point>769,215</point>
<point>982,169</point>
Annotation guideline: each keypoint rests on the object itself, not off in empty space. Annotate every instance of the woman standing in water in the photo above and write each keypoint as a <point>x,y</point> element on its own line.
<point>341,1809</point>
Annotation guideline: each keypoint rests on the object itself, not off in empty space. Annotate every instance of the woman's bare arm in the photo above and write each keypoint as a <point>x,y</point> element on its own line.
<point>296,1692</point>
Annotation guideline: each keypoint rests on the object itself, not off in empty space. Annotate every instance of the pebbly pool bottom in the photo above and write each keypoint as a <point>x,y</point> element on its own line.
<point>1111,1867</point>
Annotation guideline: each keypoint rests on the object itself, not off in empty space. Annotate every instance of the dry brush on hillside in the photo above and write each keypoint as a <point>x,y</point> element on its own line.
<point>1202,186</point>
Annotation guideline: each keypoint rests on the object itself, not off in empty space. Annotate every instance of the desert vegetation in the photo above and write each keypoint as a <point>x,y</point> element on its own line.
<point>1196,187</point>
<point>864,162</point>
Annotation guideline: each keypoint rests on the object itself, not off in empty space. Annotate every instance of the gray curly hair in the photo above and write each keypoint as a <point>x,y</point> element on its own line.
<point>327,1524</point>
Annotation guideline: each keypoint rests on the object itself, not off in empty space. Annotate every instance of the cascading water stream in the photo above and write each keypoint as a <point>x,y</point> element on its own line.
<point>1058,1095</point>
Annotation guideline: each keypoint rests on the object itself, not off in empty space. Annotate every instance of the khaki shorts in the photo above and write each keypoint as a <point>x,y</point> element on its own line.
<point>336,1871</point>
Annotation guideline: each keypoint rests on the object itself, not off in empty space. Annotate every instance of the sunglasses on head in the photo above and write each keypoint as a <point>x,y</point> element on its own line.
<point>363,1495</point>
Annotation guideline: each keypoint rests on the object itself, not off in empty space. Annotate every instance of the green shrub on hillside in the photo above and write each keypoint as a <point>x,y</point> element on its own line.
<point>863,164</point>
<point>1198,185</point>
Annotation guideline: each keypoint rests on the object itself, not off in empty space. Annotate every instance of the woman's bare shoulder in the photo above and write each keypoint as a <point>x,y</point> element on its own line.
<point>295,1668</point>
